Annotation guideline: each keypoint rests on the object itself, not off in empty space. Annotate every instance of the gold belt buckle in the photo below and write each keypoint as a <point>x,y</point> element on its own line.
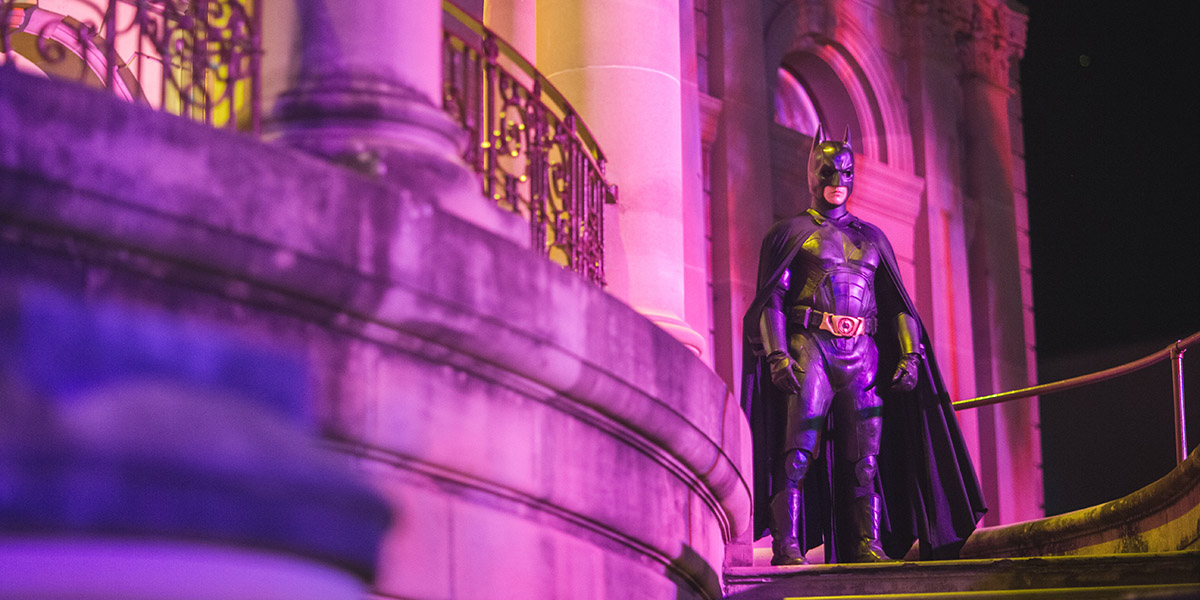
<point>843,326</point>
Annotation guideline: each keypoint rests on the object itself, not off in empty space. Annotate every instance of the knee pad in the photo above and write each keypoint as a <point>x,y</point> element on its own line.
<point>864,471</point>
<point>795,465</point>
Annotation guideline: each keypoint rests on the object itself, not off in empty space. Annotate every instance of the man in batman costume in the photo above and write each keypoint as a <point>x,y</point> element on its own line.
<point>866,464</point>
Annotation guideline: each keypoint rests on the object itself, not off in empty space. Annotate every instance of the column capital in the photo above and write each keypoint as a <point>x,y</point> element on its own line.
<point>987,34</point>
<point>990,40</point>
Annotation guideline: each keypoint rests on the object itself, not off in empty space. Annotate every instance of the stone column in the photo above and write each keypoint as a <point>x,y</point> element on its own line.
<point>988,41</point>
<point>933,92</point>
<point>516,22</point>
<point>618,63</point>
<point>363,88</point>
<point>697,296</point>
<point>741,170</point>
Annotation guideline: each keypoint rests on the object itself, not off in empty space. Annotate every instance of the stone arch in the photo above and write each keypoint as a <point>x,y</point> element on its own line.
<point>831,99</point>
<point>839,52</point>
<point>826,46</point>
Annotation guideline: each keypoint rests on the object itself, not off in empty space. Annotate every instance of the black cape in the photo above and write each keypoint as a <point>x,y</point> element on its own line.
<point>929,488</point>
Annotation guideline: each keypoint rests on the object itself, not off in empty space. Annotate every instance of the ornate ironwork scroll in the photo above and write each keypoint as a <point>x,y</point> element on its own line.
<point>196,58</point>
<point>533,153</point>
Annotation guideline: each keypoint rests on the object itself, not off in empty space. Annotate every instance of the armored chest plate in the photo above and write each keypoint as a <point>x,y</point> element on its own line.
<point>835,271</point>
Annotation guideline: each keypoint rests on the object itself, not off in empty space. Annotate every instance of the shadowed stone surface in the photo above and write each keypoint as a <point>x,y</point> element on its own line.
<point>1161,517</point>
<point>120,423</point>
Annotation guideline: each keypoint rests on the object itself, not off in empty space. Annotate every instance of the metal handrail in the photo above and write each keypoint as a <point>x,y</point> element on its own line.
<point>1174,352</point>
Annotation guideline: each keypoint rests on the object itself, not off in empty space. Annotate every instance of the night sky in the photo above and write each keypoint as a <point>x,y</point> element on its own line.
<point>1110,101</point>
<point>1110,107</point>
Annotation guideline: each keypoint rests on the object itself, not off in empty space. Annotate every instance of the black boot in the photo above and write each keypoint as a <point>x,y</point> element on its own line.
<point>785,518</point>
<point>865,514</point>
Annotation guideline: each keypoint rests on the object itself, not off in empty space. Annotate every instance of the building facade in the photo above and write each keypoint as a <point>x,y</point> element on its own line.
<point>929,91</point>
<point>528,425</point>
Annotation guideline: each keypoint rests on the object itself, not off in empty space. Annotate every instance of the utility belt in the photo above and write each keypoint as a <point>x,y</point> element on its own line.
<point>838,325</point>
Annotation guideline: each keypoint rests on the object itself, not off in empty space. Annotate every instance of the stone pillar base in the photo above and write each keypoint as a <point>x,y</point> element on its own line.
<point>678,329</point>
<point>385,129</point>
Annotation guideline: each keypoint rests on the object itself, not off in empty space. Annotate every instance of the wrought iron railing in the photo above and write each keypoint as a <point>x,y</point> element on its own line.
<point>195,58</point>
<point>201,59</point>
<point>533,153</point>
<point>1174,353</point>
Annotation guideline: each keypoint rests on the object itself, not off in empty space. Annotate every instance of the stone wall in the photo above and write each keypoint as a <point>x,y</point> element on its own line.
<point>536,437</point>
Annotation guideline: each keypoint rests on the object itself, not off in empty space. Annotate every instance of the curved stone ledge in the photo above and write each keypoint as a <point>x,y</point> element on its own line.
<point>239,292</point>
<point>156,198</point>
<point>1161,517</point>
<point>505,503</point>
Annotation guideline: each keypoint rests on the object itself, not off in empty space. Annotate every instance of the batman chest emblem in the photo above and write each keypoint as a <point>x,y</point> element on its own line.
<point>837,246</point>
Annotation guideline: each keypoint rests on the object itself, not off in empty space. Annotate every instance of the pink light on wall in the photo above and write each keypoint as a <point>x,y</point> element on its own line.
<point>793,107</point>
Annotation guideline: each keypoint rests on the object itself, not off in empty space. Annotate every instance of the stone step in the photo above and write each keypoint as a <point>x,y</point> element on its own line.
<point>1151,575</point>
<point>1131,592</point>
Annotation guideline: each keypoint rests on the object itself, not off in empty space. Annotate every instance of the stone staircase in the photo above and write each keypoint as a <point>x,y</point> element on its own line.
<point>1143,546</point>
<point>1157,576</point>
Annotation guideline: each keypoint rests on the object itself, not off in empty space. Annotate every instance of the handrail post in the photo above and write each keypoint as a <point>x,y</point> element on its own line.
<point>1180,419</point>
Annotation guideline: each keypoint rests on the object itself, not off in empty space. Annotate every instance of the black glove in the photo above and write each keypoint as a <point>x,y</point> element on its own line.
<point>782,374</point>
<point>907,372</point>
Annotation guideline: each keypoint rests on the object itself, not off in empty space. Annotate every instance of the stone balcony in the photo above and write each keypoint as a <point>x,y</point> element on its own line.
<point>536,437</point>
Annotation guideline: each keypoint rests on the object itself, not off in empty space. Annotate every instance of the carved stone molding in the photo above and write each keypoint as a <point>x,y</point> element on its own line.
<point>993,37</point>
<point>800,22</point>
<point>818,16</point>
